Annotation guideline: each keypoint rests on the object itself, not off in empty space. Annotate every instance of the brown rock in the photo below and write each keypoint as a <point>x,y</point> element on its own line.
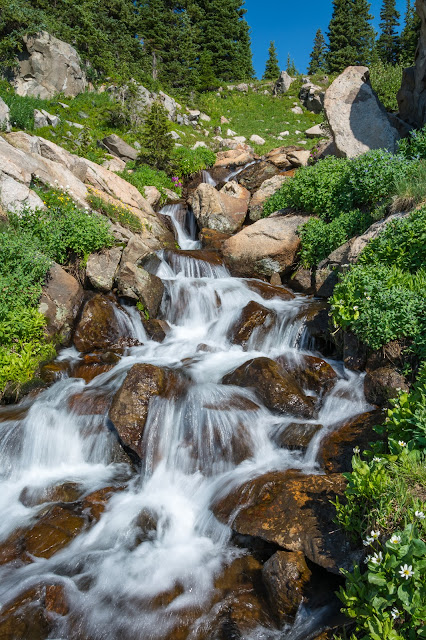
<point>156,329</point>
<point>354,352</point>
<point>253,317</point>
<point>337,447</point>
<point>286,577</point>
<point>310,372</point>
<point>56,600</point>
<point>270,291</point>
<point>292,511</point>
<point>89,372</point>
<point>218,210</point>
<point>301,281</point>
<point>233,158</point>
<point>212,239</point>
<point>265,191</point>
<point>268,246</point>
<point>297,435</point>
<point>383,384</point>
<point>95,503</point>
<point>129,409</point>
<point>137,284</point>
<point>87,404</point>
<point>276,388</point>
<point>98,327</point>
<point>24,618</point>
<point>53,531</point>
<point>60,302</point>
<point>65,492</point>
<point>254,176</point>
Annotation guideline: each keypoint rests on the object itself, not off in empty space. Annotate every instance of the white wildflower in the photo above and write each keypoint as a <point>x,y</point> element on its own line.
<point>395,613</point>
<point>402,443</point>
<point>375,535</point>
<point>377,558</point>
<point>406,571</point>
<point>420,514</point>
<point>395,539</point>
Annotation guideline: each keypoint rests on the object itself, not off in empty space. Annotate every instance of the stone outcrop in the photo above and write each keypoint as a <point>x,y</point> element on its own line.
<point>254,318</point>
<point>135,283</point>
<point>254,176</point>
<point>48,66</point>
<point>4,116</point>
<point>412,94</point>
<point>60,302</point>
<point>233,158</point>
<point>312,97</point>
<point>288,157</point>
<point>266,247</point>
<point>277,389</point>
<point>286,577</point>
<point>102,267</point>
<point>357,119</point>
<point>293,511</point>
<point>98,327</point>
<point>220,211</point>
<point>118,147</point>
<point>283,84</point>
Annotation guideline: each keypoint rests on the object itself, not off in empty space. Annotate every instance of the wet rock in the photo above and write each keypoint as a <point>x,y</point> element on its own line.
<point>337,446</point>
<point>301,281</point>
<point>219,211</point>
<point>24,618</point>
<point>156,329</point>
<point>89,403</point>
<point>286,576</point>
<point>212,239</point>
<point>129,410</point>
<point>357,119</point>
<point>310,372</point>
<point>296,436</point>
<point>293,511</point>
<point>98,327</point>
<point>102,267</point>
<point>254,317</point>
<point>89,372</point>
<point>137,284</point>
<point>65,492</point>
<point>95,503</point>
<point>380,385</point>
<point>59,303</point>
<point>354,352</point>
<point>276,388</point>
<point>269,291</point>
<point>55,600</point>
<point>268,246</point>
<point>254,176</point>
<point>54,371</point>
<point>53,531</point>
<point>265,191</point>
<point>317,325</point>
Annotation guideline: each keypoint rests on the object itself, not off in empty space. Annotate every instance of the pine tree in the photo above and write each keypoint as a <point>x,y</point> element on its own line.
<point>291,66</point>
<point>409,38</point>
<point>157,144</point>
<point>350,34</point>
<point>388,44</point>
<point>318,55</point>
<point>272,67</point>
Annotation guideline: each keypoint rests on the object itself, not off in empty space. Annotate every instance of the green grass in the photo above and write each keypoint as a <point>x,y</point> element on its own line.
<point>144,176</point>
<point>122,215</point>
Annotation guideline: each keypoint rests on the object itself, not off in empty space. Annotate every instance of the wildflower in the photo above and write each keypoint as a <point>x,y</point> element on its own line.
<point>395,613</point>
<point>368,298</point>
<point>367,560</point>
<point>56,182</point>
<point>402,443</point>
<point>420,515</point>
<point>375,535</point>
<point>376,459</point>
<point>406,571</point>
<point>367,541</point>
<point>395,539</point>
<point>356,450</point>
<point>356,308</point>
<point>377,558</point>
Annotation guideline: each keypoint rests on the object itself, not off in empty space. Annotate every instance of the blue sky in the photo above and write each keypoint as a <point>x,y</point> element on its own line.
<point>293,26</point>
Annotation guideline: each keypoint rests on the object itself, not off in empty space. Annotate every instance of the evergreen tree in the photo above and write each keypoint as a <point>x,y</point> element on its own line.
<point>318,55</point>
<point>291,66</point>
<point>206,77</point>
<point>272,68</point>
<point>388,43</point>
<point>350,34</point>
<point>410,35</point>
<point>157,144</point>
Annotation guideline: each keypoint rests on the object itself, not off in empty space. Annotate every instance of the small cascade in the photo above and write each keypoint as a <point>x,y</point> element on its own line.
<point>207,178</point>
<point>146,568</point>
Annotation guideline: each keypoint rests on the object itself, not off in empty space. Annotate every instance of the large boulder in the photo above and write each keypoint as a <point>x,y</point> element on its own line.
<point>129,409</point>
<point>118,147</point>
<point>254,319</point>
<point>357,119</point>
<point>233,158</point>
<point>293,511</point>
<point>99,326</point>
<point>48,66</point>
<point>102,267</point>
<point>60,302</point>
<point>15,196</point>
<point>283,83</point>
<point>277,389</point>
<point>265,191</point>
<point>266,247</point>
<point>286,577</point>
<point>220,211</point>
<point>254,176</point>
<point>4,116</point>
<point>312,97</point>
<point>412,94</point>
<point>135,283</point>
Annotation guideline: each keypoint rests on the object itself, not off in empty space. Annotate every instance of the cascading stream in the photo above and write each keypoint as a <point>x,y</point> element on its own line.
<point>152,558</point>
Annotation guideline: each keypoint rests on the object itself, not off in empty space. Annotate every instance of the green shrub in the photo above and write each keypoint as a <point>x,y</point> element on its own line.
<point>63,229</point>
<point>386,82</point>
<point>380,303</point>
<point>21,108</point>
<point>157,145</point>
<point>319,239</point>
<point>415,145</point>
<point>189,161</point>
<point>122,215</point>
<point>335,185</point>
<point>402,243</point>
<point>144,176</point>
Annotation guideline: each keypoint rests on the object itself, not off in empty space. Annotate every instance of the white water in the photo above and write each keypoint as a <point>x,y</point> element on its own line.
<point>195,447</point>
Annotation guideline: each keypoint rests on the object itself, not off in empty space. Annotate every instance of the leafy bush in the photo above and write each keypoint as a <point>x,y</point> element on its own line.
<point>62,228</point>
<point>189,161</point>
<point>335,185</point>
<point>402,243</point>
<point>380,304</point>
<point>143,176</point>
<point>415,145</point>
<point>319,239</point>
<point>386,82</point>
